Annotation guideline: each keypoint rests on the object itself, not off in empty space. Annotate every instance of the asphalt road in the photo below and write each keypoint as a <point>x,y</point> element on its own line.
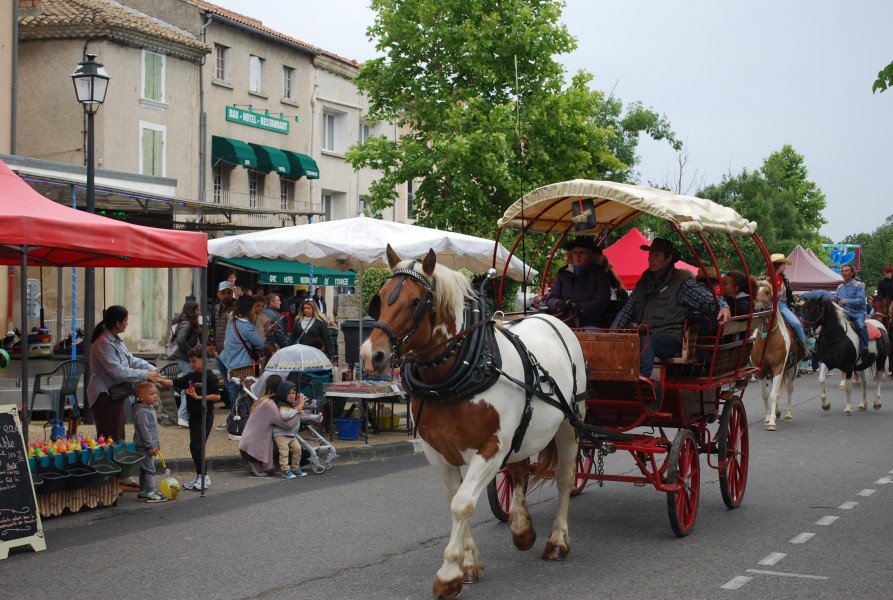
<point>815,523</point>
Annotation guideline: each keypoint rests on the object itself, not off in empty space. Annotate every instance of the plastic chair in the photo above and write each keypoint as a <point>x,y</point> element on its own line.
<point>71,372</point>
<point>168,401</point>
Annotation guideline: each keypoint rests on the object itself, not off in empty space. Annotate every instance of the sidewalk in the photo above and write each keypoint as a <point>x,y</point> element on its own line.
<point>223,453</point>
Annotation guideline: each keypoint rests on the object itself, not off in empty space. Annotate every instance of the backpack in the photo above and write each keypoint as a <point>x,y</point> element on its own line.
<point>171,345</point>
<point>238,416</point>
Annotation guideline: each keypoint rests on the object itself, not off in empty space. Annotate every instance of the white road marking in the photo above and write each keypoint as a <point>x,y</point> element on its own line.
<point>772,559</point>
<point>865,493</point>
<point>848,505</point>
<point>737,582</point>
<point>802,538</point>
<point>884,480</point>
<point>826,520</point>
<point>780,574</point>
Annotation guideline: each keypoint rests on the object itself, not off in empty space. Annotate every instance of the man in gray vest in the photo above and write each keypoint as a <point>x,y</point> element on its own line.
<point>663,297</point>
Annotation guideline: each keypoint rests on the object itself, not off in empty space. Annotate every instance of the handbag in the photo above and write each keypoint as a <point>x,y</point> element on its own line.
<point>120,391</point>
<point>253,353</point>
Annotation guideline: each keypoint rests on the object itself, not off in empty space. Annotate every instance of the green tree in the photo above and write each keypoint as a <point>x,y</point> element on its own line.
<point>475,136</point>
<point>877,252</point>
<point>786,205</point>
<point>884,79</point>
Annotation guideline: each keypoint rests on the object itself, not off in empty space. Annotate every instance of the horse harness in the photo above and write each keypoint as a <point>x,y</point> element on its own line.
<point>478,364</point>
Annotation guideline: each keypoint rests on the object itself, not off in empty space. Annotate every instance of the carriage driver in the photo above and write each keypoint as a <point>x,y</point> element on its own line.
<point>851,296</point>
<point>662,299</point>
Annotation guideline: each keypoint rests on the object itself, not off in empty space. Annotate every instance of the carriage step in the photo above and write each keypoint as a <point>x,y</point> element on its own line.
<point>599,435</point>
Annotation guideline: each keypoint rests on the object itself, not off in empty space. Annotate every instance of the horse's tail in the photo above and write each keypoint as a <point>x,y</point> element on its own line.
<point>546,463</point>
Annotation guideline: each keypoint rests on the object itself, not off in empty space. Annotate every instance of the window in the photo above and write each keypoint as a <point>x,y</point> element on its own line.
<point>153,76</point>
<point>221,63</point>
<point>328,132</point>
<point>410,199</point>
<point>364,131</point>
<point>327,202</point>
<point>255,183</point>
<point>286,193</point>
<point>255,74</point>
<point>220,184</point>
<point>152,149</point>
<point>288,83</point>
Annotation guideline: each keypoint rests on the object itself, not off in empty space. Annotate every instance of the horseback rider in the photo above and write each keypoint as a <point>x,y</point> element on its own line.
<point>851,296</point>
<point>884,294</point>
<point>786,299</point>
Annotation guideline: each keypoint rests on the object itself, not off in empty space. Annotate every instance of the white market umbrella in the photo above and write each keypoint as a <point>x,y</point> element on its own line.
<point>294,358</point>
<point>360,242</point>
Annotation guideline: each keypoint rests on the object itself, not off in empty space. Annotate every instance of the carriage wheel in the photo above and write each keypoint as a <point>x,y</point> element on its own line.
<point>685,470</point>
<point>499,493</point>
<point>585,464</point>
<point>733,450</point>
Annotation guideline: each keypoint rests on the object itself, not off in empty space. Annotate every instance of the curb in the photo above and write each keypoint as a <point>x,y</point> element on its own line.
<point>356,454</point>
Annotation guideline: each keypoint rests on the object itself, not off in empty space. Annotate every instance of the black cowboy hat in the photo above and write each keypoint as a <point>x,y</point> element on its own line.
<point>662,245</point>
<point>585,243</point>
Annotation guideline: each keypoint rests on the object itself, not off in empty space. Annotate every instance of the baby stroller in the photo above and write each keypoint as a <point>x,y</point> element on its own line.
<point>319,454</point>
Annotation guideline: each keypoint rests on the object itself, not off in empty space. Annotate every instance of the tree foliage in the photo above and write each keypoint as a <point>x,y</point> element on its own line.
<point>474,136</point>
<point>877,252</point>
<point>786,205</point>
<point>884,79</point>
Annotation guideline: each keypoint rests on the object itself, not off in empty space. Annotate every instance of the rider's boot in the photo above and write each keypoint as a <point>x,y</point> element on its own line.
<point>805,352</point>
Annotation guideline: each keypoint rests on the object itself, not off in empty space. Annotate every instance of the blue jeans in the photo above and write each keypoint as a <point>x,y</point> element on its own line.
<point>661,345</point>
<point>182,413</point>
<point>859,324</point>
<point>791,319</point>
<point>231,389</point>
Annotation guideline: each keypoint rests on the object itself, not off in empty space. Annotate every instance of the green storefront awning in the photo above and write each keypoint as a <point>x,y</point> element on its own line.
<point>232,152</point>
<point>302,165</point>
<point>272,160</point>
<point>287,272</point>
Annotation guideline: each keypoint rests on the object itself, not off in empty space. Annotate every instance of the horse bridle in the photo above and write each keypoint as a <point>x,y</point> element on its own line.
<point>424,307</point>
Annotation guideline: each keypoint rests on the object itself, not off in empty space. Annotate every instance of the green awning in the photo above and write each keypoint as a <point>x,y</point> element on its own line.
<point>272,160</point>
<point>302,165</point>
<point>287,272</point>
<point>232,152</point>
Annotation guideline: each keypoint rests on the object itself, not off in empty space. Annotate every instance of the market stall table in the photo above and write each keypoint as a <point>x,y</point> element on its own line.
<point>369,397</point>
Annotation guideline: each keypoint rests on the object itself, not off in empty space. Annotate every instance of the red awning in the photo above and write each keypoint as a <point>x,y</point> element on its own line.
<point>630,261</point>
<point>58,235</point>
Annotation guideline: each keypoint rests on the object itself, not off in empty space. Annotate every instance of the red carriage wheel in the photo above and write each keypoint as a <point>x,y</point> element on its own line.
<point>585,463</point>
<point>499,493</point>
<point>733,451</point>
<point>684,469</point>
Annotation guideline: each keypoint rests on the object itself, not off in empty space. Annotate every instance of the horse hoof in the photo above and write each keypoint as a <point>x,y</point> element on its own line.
<point>862,407</point>
<point>553,552</point>
<point>447,590</point>
<point>770,427</point>
<point>877,406</point>
<point>826,407</point>
<point>470,575</point>
<point>777,413</point>
<point>788,419</point>
<point>526,540</point>
<point>848,412</point>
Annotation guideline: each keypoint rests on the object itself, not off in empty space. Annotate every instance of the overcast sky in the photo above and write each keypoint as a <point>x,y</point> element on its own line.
<point>737,80</point>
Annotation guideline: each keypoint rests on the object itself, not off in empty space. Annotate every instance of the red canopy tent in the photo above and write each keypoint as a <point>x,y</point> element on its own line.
<point>807,272</point>
<point>37,231</point>
<point>630,261</point>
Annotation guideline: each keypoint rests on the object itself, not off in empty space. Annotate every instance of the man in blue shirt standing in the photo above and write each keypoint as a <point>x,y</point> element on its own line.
<point>851,296</point>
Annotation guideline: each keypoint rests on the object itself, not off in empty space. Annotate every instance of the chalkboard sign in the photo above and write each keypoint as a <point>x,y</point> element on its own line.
<point>19,519</point>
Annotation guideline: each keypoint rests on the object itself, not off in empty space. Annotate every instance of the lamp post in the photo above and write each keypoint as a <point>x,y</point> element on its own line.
<point>90,84</point>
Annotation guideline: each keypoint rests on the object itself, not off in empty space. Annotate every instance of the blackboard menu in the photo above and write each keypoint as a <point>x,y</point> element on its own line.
<point>19,518</point>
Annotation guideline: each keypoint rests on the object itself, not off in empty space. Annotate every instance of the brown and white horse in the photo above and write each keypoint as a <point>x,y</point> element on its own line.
<point>778,366</point>
<point>421,309</point>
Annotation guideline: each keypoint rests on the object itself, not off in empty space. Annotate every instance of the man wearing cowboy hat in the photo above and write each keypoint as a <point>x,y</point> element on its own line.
<point>851,296</point>
<point>786,300</point>
<point>582,289</point>
<point>884,294</point>
<point>662,299</point>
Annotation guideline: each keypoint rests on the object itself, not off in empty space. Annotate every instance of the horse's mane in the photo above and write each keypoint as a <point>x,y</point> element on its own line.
<point>450,290</point>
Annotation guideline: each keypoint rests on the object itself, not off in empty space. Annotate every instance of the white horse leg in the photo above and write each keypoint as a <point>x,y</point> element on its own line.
<point>773,402</point>
<point>764,394</point>
<point>559,543</point>
<point>448,583</point>
<point>848,390</point>
<point>523,533</point>
<point>789,413</point>
<point>864,404</point>
<point>823,371</point>
<point>879,377</point>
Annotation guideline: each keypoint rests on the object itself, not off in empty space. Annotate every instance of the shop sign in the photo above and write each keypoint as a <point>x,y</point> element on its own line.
<point>346,279</point>
<point>253,119</point>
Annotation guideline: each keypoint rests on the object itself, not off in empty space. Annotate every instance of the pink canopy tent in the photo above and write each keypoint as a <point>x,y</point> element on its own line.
<point>37,231</point>
<point>630,261</point>
<point>807,272</point>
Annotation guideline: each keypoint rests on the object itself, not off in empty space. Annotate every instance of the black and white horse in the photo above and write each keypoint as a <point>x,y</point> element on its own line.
<point>837,346</point>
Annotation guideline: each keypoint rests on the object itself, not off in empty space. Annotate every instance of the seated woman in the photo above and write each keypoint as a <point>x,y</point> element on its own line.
<point>737,292</point>
<point>582,289</point>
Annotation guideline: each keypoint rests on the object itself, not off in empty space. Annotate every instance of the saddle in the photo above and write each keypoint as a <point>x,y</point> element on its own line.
<point>873,332</point>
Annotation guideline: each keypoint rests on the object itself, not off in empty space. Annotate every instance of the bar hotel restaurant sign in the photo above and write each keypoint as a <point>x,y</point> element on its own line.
<point>317,279</point>
<point>253,119</point>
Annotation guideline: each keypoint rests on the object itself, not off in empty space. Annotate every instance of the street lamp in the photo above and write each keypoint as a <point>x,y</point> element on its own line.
<point>91,82</point>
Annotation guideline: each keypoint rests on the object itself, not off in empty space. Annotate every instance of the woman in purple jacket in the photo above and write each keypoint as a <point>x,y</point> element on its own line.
<point>582,289</point>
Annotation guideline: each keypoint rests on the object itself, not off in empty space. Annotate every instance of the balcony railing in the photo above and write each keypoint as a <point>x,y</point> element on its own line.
<point>267,204</point>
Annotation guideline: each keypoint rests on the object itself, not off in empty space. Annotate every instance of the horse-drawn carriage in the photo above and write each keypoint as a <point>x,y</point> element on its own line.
<point>494,392</point>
